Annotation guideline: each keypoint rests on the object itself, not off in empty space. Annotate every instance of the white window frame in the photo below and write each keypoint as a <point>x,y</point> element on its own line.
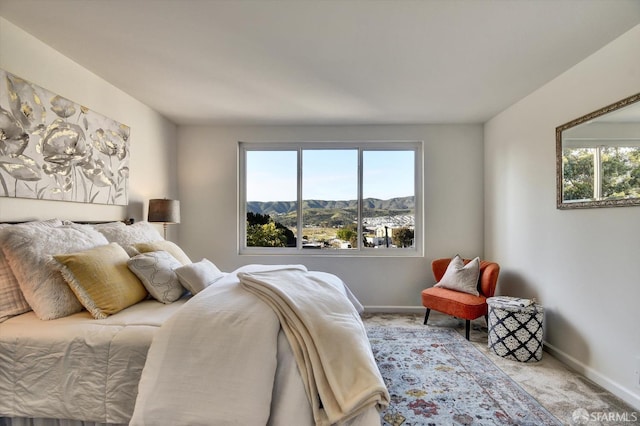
<point>417,146</point>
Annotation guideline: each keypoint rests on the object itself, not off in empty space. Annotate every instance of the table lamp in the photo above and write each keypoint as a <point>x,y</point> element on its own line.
<point>164,211</point>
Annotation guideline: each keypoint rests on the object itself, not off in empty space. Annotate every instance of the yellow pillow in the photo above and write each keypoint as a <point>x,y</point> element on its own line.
<point>101,279</point>
<point>164,245</point>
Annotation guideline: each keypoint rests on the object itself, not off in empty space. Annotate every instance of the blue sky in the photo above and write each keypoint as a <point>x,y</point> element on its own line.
<point>329,175</point>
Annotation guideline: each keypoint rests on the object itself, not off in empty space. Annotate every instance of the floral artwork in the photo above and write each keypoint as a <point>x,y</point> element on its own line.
<point>54,149</point>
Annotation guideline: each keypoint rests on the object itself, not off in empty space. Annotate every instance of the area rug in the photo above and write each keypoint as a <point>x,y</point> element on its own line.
<point>436,377</point>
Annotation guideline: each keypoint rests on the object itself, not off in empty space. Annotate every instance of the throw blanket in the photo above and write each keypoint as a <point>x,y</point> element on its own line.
<point>328,340</point>
<point>223,359</point>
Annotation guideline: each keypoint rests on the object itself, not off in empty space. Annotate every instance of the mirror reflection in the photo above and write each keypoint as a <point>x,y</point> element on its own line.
<point>598,157</point>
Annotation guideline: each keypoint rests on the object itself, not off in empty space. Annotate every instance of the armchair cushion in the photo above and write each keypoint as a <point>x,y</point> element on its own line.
<point>461,277</point>
<point>455,303</point>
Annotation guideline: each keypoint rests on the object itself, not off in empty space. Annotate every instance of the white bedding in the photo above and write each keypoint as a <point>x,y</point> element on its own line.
<point>77,367</point>
<point>80,368</point>
<point>238,367</point>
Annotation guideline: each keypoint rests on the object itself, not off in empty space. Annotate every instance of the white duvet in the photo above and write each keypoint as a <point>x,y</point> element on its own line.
<point>223,359</point>
<point>234,365</point>
<point>77,367</point>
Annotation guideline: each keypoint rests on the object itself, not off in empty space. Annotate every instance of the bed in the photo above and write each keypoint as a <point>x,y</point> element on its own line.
<point>181,343</point>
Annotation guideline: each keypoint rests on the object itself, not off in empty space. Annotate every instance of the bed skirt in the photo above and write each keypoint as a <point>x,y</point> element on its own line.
<point>22,421</point>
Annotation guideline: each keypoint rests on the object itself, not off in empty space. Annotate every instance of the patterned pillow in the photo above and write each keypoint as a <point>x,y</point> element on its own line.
<point>101,280</point>
<point>197,276</point>
<point>127,235</point>
<point>12,301</point>
<point>28,251</point>
<point>163,245</point>
<point>461,277</point>
<point>155,270</point>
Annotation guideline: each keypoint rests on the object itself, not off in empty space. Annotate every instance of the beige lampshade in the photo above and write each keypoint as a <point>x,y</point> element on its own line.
<point>163,210</point>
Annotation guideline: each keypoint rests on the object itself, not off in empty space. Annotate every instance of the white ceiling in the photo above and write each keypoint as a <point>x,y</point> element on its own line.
<point>325,61</point>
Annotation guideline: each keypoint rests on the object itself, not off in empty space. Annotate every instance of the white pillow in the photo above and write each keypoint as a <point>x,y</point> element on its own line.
<point>29,249</point>
<point>461,277</point>
<point>128,235</point>
<point>12,302</point>
<point>197,276</point>
<point>155,270</point>
<point>108,226</point>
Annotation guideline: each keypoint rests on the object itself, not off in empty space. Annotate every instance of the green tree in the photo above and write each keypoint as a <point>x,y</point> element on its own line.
<point>578,172</point>
<point>402,237</point>
<point>257,218</point>
<point>619,172</point>
<point>263,231</point>
<point>349,233</point>
<point>266,235</point>
<point>288,233</point>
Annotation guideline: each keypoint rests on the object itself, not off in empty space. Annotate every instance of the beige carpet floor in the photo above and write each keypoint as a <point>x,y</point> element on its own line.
<point>560,390</point>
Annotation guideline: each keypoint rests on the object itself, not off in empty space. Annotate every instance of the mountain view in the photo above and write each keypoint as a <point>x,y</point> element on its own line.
<point>326,213</point>
<point>400,205</point>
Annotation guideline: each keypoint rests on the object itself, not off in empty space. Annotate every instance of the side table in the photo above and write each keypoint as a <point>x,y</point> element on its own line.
<point>515,330</point>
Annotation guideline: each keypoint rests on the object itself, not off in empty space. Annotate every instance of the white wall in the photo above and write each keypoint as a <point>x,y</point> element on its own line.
<point>152,162</point>
<point>207,173</point>
<point>582,265</point>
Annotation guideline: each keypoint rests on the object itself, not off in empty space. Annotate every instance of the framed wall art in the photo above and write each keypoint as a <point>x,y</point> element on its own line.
<point>54,149</point>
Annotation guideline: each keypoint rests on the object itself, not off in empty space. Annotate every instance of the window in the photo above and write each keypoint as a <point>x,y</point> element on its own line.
<point>600,172</point>
<point>331,198</point>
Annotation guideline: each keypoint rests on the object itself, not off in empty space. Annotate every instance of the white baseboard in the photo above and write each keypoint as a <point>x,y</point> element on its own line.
<point>615,388</point>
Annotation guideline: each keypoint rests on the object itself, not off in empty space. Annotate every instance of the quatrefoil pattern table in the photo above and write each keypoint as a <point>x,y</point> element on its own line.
<point>516,332</point>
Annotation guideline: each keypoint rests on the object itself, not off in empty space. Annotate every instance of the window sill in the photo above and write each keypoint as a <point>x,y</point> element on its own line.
<point>373,252</point>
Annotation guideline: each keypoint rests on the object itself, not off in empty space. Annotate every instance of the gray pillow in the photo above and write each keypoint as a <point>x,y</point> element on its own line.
<point>29,250</point>
<point>155,270</point>
<point>461,277</point>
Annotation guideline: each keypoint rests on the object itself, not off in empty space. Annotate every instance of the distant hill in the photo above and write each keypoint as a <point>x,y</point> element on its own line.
<point>284,207</point>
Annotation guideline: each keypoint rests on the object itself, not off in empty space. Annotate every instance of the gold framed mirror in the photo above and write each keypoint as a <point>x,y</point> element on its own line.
<point>598,158</point>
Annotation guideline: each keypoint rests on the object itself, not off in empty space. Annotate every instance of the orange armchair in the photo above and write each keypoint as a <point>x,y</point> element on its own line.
<point>459,304</point>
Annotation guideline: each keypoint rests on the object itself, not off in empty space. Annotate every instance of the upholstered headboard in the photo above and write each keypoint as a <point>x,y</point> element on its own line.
<point>129,221</point>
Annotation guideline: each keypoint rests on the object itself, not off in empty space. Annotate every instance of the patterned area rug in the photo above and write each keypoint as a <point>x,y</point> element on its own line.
<point>436,377</point>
